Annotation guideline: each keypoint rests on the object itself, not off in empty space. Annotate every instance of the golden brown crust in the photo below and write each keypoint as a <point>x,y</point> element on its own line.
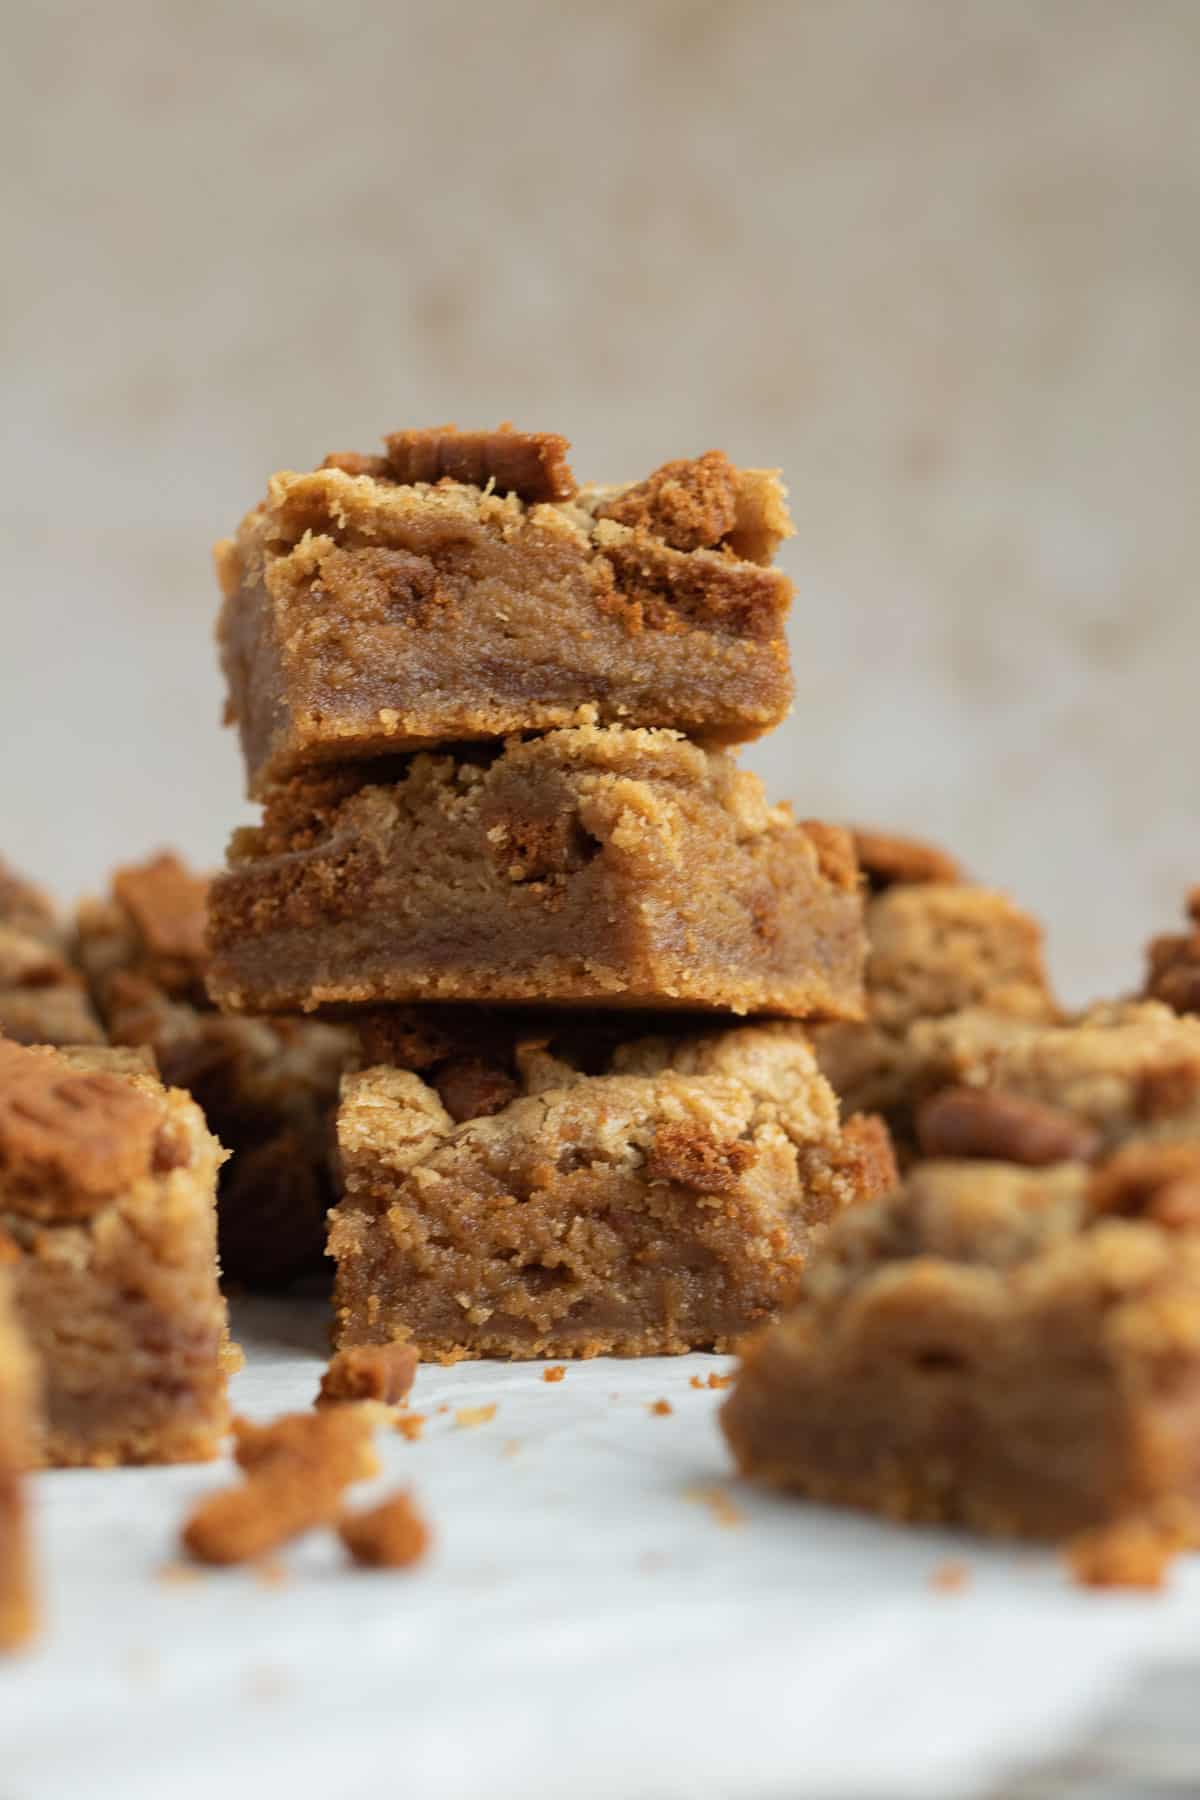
<point>531,464</point>
<point>691,503</point>
<point>380,1372</point>
<point>70,1139</point>
<point>888,860</point>
<point>392,1535</point>
<point>988,1123</point>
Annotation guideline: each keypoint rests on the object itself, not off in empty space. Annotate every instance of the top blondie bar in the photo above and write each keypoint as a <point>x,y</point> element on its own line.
<point>461,586</point>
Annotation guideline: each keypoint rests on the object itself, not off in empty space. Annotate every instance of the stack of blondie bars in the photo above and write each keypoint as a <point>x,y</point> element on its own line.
<point>484,710</point>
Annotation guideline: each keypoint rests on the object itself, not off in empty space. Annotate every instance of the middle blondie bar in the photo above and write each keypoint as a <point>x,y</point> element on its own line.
<point>598,866</point>
<point>571,1191</point>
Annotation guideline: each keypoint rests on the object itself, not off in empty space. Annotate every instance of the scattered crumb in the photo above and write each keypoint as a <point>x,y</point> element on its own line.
<point>178,1574</point>
<point>411,1425</point>
<point>512,1447</point>
<point>555,1372</point>
<point>950,1577</point>
<point>660,1408</point>
<point>380,1372</point>
<point>271,1574</point>
<point>392,1535</point>
<point>296,1470</point>
<point>466,1416</point>
<point>719,1504</point>
<point>1133,1554</point>
<point>712,1381</point>
<point>444,1407</point>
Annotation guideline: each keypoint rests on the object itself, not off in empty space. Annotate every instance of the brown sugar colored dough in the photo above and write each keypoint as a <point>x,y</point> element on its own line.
<point>460,587</point>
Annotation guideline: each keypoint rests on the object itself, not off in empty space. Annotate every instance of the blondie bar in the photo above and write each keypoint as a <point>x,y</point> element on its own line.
<point>107,1184</point>
<point>576,1193</point>
<point>18,1401</point>
<point>604,866</point>
<point>1015,1349</point>
<point>461,587</point>
<point>43,999</point>
<point>268,1087</point>
<point>937,944</point>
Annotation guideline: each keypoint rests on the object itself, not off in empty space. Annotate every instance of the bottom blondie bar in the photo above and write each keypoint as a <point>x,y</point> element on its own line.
<point>107,1210</point>
<point>575,1192</point>
<point>17,1400</point>
<point>1014,1349</point>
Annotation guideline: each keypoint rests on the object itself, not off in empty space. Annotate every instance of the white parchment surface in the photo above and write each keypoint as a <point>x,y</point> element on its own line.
<point>606,1613</point>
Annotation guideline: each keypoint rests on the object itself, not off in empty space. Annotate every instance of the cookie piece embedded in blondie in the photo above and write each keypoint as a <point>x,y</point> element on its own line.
<point>268,1087</point>
<point>987,1346</point>
<point>107,1191</point>
<point>18,1404</point>
<point>461,588</point>
<point>607,867</point>
<point>638,1197</point>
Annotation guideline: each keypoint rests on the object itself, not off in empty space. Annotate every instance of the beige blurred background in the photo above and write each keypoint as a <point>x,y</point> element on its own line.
<point>940,261</point>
